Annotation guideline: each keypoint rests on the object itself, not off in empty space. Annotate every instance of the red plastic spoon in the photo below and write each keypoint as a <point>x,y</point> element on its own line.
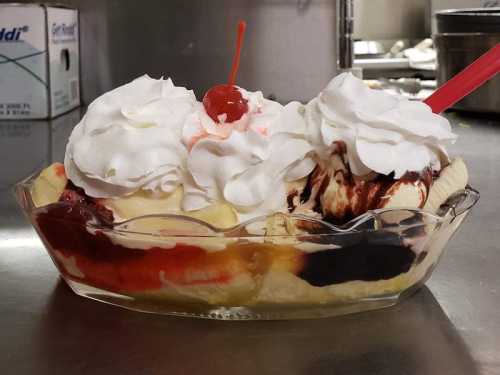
<point>227,99</point>
<point>469,79</point>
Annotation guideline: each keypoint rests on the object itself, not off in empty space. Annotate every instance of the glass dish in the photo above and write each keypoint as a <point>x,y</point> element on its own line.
<point>275,267</point>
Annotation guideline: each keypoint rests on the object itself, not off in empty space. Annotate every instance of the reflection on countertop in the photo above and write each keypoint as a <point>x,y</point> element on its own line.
<point>45,326</point>
<point>27,146</point>
<point>413,338</point>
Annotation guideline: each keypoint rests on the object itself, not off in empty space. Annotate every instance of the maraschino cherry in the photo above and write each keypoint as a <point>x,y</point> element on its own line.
<point>227,99</point>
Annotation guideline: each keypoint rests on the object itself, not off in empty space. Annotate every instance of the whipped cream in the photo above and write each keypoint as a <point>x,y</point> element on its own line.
<point>383,133</point>
<point>248,162</point>
<point>130,139</point>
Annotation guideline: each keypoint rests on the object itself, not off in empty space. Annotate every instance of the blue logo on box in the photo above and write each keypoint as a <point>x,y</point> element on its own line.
<point>13,34</point>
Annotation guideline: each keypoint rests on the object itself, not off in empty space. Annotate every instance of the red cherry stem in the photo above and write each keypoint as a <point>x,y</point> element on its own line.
<point>242,25</point>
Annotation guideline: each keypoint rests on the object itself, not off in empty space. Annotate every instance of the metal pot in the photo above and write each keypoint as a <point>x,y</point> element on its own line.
<point>463,36</point>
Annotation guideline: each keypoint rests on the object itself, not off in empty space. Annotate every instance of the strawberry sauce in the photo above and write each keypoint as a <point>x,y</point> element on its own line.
<point>115,267</point>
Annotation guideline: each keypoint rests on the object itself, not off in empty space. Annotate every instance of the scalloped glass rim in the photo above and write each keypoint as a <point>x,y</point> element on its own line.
<point>457,204</point>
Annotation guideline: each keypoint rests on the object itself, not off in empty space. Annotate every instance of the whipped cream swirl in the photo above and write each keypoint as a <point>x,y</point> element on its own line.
<point>130,139</point>
<point>248,162</point>
<point>383,133</point>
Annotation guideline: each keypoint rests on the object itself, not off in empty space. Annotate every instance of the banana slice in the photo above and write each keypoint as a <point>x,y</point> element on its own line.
<point>144,203</point>
<point>49,185</point>
<point>220,215</point>
<point>452,178</point>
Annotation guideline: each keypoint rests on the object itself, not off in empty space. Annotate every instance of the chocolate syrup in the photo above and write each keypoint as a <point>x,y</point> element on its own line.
<point>306,193</point>
<point>289,199</point>
<point>362,195</point>
<point>366,261</point>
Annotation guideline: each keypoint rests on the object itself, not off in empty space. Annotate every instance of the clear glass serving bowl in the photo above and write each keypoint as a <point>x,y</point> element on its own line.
<point>275,267</point>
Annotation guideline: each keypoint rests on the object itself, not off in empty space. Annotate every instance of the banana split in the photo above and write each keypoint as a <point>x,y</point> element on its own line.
<point>247,202</point>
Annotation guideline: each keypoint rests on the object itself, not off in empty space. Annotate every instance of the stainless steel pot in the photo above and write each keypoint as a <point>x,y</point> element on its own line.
<point>463,36</point>
<point>455,52</point>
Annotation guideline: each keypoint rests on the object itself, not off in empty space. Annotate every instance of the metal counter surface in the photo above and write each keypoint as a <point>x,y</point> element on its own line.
<point>452,326</point>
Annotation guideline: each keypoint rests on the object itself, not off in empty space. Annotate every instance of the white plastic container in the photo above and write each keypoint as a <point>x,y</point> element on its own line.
<point>39,61</point>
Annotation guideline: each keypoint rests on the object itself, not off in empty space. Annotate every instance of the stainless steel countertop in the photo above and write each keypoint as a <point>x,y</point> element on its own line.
<point>452,326</point>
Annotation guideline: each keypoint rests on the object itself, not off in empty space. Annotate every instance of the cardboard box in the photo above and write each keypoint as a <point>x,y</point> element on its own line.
<point>39,61</point>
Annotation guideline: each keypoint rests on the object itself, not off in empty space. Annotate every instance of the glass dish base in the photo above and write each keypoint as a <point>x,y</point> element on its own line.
<point>238,313</point>
<point>279,266</point>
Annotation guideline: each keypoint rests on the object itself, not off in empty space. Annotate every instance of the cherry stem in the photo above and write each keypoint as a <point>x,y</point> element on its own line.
<point>242,25</point>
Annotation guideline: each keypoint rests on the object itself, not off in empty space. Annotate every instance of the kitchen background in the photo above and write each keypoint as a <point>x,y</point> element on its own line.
<point>290,52</point>
<point>122,39</point>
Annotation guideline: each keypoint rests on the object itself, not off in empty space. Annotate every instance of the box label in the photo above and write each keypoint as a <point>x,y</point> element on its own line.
<point>23,63</point>
<point>39,61</point>
<point>63,59</point>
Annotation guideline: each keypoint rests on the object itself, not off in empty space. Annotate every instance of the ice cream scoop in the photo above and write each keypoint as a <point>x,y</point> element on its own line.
<point>248,167</point>
<point>374,151</point>
<point>129,139</point>
<point>334,192</point>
